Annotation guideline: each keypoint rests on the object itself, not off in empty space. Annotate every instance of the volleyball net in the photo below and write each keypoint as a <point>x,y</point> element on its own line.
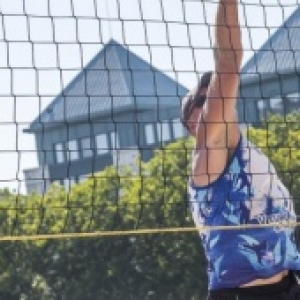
<point>92,143</point>
<point>94,161</point>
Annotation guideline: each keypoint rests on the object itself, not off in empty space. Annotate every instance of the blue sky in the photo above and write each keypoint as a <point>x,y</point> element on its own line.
<point>45,43</point>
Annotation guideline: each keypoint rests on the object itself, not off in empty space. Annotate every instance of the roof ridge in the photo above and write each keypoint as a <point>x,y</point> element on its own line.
<point>112,56</point>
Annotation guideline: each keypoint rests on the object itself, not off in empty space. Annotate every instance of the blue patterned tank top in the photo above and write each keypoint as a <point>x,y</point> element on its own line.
<point>247,192</point>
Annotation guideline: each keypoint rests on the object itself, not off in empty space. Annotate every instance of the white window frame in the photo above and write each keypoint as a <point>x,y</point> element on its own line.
<point>72,152</point>
<point>262,109</point>
<point>149,134</point>
<point>178,129</point>
<point>82,178</point>
<point>102,149</point>
<point>293,97</point>
<point>276,103</point>
<point>73,181</point>
<point>86,151</point>
<point>67,184</point>
<point>59,153</point>
<point>163,131</point>
<point>114,140</point>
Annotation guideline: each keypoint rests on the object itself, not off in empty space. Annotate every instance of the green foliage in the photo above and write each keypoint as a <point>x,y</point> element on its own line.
<point>149,266</point>
<point>143,267</point>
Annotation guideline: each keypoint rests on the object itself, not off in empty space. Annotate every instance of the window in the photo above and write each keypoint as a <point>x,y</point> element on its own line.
<point>86,147</point>
<point>293,101</point>
<point>82,178</point>
<point>261,107</point>
<point>178,129</point>
<point>293,97</point>
<point>69,182</point>
<point>72,153</point>
<point>163,131</point>
<point>114,140</point>
<point>276,105</point>
<point>73,181</point>
<point>149,134</point>
<point>127,134</point>
<point>101,143</point>
<point>56,182</point>
<point>59,153</point>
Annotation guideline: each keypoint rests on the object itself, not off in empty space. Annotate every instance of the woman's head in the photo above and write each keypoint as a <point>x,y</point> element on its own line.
<point>193,102</point>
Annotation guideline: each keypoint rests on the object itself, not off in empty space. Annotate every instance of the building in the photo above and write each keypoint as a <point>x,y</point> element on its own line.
<point>120,107</point>
<point>117,108</point>
<point>270,80</point>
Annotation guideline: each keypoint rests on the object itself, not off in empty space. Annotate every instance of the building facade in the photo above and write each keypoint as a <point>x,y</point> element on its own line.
<point>117,108</point>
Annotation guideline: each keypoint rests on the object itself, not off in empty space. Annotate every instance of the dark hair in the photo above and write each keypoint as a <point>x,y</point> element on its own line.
<point>193,99</point>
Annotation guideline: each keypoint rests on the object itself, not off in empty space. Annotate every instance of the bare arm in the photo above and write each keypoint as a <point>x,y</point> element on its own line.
<point>217,132</point>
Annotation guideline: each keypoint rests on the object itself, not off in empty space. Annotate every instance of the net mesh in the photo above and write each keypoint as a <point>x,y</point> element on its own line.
<point>92,145</point>
<point>91,138</point>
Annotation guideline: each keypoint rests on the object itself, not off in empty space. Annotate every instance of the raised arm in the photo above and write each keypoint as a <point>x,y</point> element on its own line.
<point>217,131</point>
<point>228,48</point>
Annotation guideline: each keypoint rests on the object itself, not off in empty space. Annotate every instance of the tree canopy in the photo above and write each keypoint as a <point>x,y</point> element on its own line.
<point>147,266</point>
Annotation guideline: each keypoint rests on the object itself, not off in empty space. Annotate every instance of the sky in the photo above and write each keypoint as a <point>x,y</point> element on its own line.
<point>44,44</point>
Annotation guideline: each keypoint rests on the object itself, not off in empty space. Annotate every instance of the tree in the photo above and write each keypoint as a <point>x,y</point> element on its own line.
<point>145,266</point>
<point>171,264</point>
<point>161,266</point>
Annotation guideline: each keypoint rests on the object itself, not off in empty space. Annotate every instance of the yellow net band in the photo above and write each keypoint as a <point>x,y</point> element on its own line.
<point>116,233</point>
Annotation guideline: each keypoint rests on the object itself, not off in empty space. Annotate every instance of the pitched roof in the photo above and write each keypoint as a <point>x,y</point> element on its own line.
<point>279,55</point>
<point>114,81</point>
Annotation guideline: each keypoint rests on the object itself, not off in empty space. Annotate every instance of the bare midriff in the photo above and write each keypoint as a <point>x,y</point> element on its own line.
<point>274,279</point>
